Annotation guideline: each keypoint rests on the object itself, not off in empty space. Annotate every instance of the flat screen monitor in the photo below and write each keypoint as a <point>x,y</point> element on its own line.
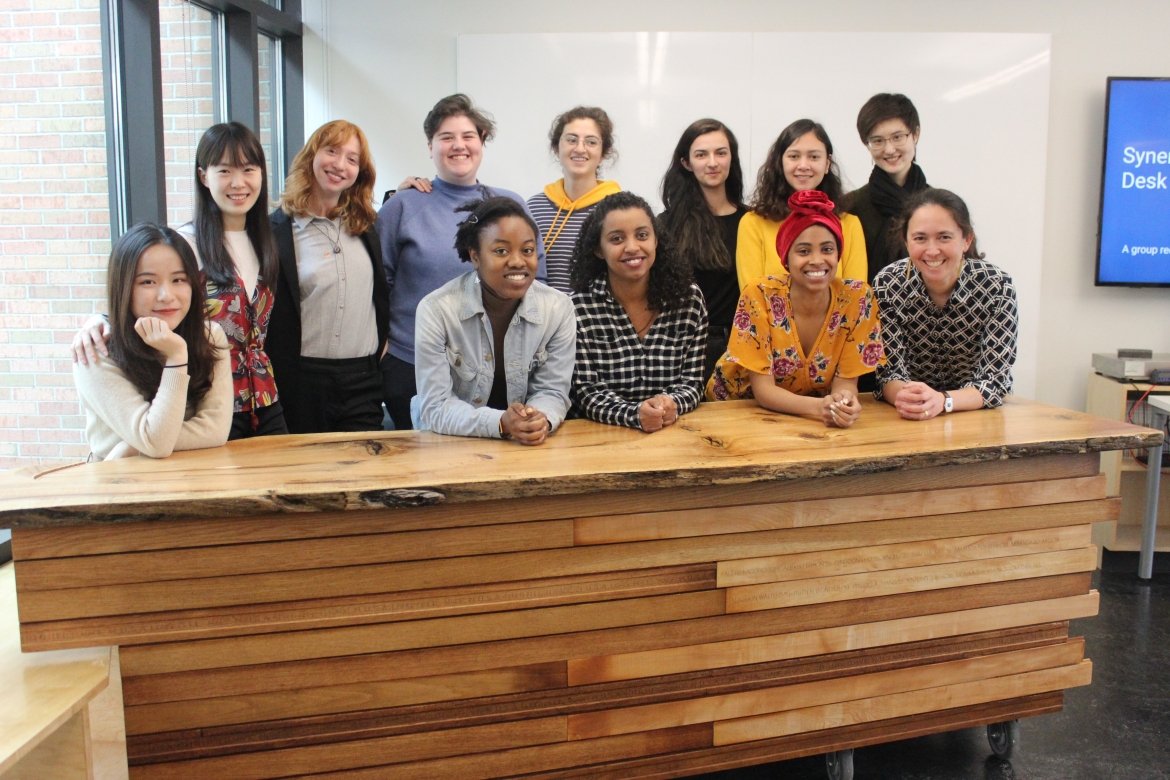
<point>1133,230</point>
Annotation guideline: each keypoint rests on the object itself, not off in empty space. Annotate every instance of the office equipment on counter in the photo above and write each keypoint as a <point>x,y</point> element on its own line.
<point>1120,367</point>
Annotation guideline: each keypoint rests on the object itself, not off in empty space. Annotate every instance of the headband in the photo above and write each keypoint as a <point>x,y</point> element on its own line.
<point>806,208</point>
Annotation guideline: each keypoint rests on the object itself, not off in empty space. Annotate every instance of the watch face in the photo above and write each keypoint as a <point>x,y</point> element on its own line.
<point>948,404</point>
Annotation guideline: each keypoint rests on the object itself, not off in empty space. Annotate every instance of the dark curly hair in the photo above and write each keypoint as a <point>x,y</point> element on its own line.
<point>599,117</point>
<point>670,277</point>
<point>484,213</point>
<point>773,190</point>
<point>935,196</point>
<point>686,219</point>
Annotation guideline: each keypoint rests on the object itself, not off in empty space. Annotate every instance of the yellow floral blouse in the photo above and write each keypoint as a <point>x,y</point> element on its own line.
<point>764,340</point>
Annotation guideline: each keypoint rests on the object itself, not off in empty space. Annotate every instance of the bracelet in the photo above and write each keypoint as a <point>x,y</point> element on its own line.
<point>176,365</point>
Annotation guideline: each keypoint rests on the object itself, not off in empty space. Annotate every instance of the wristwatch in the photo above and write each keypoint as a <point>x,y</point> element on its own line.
<point>948,403</point>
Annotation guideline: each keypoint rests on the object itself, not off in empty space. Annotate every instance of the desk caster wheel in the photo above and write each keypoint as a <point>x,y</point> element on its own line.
<point>839,764</point>
<point>1004,737</point>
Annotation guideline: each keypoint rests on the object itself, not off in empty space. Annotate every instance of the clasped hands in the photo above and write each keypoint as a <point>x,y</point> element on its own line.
<point>657,412</point>
<point>918,401</point>
<point>840,409</point>
<point>525,424</point>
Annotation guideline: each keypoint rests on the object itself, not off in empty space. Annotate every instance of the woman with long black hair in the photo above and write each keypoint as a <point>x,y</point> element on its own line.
<point>702,193</point>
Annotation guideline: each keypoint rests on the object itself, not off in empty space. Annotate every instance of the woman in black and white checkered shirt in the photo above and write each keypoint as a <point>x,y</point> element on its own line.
<point>641,322</point>
<point>950,319</point>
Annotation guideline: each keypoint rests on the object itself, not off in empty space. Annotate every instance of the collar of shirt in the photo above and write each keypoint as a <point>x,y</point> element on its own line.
<point>964,285</point>
<point>471,297</point>
<point>600,287</point>
<point>302,221</point>
<point>960,293</point>
<point>459,189</point>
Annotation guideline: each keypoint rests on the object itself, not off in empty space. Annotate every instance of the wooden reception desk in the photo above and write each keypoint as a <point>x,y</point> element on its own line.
<point>740,588</point>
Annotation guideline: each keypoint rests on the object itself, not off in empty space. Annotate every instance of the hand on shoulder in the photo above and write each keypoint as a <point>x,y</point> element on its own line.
<point>415,183</point>
<point>90,342</point>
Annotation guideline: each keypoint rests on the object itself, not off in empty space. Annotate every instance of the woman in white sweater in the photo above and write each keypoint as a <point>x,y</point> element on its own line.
<point>167,384</point>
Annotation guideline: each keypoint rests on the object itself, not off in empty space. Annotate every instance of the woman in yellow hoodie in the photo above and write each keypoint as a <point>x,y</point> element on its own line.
<point>581,138</point>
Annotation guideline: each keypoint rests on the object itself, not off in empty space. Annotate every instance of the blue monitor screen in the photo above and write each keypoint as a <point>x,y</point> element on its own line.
<point>1134,226</point>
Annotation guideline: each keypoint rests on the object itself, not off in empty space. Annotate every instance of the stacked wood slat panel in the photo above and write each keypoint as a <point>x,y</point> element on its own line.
<point>623,633</point>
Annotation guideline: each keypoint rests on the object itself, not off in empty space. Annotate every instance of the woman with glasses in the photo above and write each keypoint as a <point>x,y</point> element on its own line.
<point>888,126</point>
<point>581,139</point>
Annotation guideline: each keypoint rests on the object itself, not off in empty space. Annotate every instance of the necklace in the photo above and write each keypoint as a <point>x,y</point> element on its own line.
<point>334,244</point>
<point>644,328</point>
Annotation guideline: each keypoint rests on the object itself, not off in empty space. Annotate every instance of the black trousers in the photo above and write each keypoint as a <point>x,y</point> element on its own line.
<point>340,395</point>
<point>717,338</point>
<point>397,389</point>
<point>269,422</point>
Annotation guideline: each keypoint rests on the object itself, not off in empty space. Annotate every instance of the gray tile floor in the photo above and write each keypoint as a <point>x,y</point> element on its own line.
<point>1118,728</point>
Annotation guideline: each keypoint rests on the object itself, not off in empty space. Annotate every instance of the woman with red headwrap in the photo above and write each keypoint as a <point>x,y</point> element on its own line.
<point>798,343</point>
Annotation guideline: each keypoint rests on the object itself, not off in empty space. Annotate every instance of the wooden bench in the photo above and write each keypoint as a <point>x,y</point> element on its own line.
<point>61,710</point>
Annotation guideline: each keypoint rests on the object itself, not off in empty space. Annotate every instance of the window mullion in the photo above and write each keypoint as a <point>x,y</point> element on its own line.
<point>133,83</point>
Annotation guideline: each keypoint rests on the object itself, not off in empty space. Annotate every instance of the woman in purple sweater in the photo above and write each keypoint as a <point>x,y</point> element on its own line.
<point>417,230</point>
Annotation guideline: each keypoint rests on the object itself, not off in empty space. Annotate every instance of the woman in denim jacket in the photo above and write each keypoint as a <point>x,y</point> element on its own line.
<point>494,348</point>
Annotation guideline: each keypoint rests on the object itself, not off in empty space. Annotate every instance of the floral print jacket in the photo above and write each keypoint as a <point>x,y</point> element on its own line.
<point>764,340</point>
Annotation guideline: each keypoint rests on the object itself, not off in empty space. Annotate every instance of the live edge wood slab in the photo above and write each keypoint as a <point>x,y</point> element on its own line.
<point>740,588</point>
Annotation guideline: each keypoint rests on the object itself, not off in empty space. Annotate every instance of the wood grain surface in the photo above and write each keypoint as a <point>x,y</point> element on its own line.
<point>739,588</point>
<point>720,443</point>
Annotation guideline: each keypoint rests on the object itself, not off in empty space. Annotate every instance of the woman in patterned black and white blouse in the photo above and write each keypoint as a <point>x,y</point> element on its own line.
<point>949,318</point>
<point>641,322</point>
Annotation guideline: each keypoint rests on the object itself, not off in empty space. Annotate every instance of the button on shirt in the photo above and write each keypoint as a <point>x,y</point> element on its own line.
<point>337,290</point>
<point>455,366</point>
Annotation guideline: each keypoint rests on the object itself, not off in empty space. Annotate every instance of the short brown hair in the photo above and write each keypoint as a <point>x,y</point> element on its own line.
<point>459,105</point>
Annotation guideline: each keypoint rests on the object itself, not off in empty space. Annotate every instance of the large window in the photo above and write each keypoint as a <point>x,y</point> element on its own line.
<point>191,66</point>
<point>268,50</point>
<point>174,68</point>
<point>104,102</point>
<point>54,221</point>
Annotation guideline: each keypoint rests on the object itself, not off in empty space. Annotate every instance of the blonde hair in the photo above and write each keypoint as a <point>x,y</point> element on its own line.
<point>355,208</point>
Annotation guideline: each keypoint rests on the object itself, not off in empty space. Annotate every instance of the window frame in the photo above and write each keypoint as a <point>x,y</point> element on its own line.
<point>132,67</point>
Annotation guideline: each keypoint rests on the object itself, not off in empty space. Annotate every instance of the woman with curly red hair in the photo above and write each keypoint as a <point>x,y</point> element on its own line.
<point>330,320</point>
